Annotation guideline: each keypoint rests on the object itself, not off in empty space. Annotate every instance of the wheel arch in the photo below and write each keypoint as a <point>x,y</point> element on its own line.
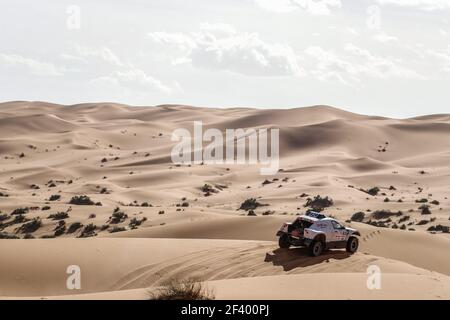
<point>321,237</point>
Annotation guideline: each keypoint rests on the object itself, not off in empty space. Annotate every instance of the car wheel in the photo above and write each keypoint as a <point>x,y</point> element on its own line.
<point>316,248</point>
<point>352,244</point>
<point>283,241</point>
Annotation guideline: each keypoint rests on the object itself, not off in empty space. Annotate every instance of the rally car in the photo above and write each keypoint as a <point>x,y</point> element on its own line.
<point>318,232</point>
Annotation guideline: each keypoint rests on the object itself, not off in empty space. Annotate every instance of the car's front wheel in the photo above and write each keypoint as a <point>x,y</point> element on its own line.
<point>316,248</point>
<point>284,242</point>
<point>352,244</point>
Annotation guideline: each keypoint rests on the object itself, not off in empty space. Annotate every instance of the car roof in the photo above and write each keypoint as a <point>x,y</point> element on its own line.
<point>313,219</point>
<point>307,218</point>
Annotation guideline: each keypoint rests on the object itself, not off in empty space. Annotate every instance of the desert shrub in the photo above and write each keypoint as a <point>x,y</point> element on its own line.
<point>358,216</point>
<point>47,236</point>
<point>425,209</point>
<point>387,200</point>
<point>45,208</point>
<point>146,204</point>
<point>20,211</point>
<point>384,214</point>
<point>251,213</point>
<point>403,227</point>
<point>74,227</point>
<point>403,219</point>
<point>435,202</point>
<point>81,201</point>
<point>88,231</point>
<point>268,213</point>
<point>3,217</point>
<point>422,222</point>
<point>5,235</point>
<point>250,204</point>
<point>423,200</point>
<point>54,197</point>
<point>60,228</point>
<point>28,236</point>
<point>266,182</point>
<point>185,204</point>
<point>30,227</point>
<point>117,217</point>
<point>373,191</point>
<point>319,203</point>
<point>58,216</point>
<point>17,219</point>
<point>439,228</point>
<point>135,222</point>
<point>304,195</point>
<point>182,290</point>
<point>208,190</point>
<point>161,212</point>
<point>117,229</point>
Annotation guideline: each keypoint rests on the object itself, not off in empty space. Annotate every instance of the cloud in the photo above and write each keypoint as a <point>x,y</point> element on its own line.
<point>221,47</point>
<point>102,53</point>
<point>353,64</point>
<point>106,68</point>
<point>428,5</point>
<point>314,7</point>
<point>133,78</point>
<point>383,37</point>
<point>36,67</point>
<point>443,57</point>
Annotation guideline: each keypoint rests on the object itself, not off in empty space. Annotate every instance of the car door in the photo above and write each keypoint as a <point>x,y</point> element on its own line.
<point>339,233</point>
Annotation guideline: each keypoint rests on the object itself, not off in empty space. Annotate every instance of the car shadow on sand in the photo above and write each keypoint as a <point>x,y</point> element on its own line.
<point>294,258</point>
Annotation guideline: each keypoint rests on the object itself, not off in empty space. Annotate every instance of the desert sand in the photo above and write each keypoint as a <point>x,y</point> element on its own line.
<point>119,156</point>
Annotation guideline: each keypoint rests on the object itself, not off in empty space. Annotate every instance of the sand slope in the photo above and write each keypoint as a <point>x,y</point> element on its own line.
<point>120,156</point>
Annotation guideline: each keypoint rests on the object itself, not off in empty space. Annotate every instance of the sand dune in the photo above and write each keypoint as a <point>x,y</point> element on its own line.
<point>120,156</point>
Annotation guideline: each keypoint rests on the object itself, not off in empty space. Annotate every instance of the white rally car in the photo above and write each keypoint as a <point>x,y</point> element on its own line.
<point>318,232</point>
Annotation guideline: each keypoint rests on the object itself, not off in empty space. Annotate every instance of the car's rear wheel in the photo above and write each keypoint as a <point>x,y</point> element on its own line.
<point>352,244</point>
<point>316,248</point>
<point>284,242</point>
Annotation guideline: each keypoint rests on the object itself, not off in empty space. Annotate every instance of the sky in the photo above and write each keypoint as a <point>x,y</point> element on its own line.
<point>376,57</point>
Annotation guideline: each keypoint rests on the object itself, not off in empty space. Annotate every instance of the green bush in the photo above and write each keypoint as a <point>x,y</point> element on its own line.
<point>250,204</point>
<point>81,201</point>
<point>31,226</point>
<point>319,203</point>
<point>117,229</point>
<point>358,217</point>
<point>58,216</point>
<point>20,211</point>
<point>74,227</point>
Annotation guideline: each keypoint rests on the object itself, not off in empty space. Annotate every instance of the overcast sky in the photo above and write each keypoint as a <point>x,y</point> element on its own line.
<point>383,57</point>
